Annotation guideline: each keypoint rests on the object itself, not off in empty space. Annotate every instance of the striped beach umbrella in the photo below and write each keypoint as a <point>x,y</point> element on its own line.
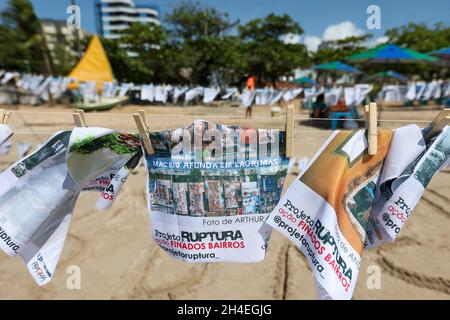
<point>383,75</point>
<point>305,81</point>
<point>443,53</point>
<point>336,66</point>
<point>390,53</point>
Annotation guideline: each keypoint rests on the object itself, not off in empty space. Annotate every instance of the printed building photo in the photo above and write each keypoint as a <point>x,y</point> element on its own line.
<point>202,193</point>
<point>186,183</point>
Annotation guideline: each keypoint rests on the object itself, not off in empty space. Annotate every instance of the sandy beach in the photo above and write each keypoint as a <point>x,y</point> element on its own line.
<point>119,260</point>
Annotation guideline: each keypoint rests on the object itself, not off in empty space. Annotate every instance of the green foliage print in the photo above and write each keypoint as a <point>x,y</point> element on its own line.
<point>120,143</point>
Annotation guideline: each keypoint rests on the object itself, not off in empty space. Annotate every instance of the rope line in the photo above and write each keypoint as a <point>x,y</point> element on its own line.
<point>135,130</point>
<point>149,115</point>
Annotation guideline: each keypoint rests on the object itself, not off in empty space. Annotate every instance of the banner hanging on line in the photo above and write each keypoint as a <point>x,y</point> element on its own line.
<point>210,188</point>
<point>38,193</point>
<point>5,134</point>
<point>339,205</point>
<point>411,163</point>
<point>326,209</point>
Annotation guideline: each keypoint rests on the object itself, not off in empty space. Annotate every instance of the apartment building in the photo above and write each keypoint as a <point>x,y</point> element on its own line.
<point>114,16</point>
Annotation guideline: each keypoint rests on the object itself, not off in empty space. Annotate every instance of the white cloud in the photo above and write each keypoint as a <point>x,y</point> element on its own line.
<point>381,40</point>
<point>338,31</point>
<point>375,42</point>
<point>291,38</point>
<point>341,30</point>
<point>333,32</point>
<point>312,43</point>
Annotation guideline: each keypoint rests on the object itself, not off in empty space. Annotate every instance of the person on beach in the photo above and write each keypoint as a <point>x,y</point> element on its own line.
<point>320,110</point>
<point>250,85</point>
<point>319,107</point>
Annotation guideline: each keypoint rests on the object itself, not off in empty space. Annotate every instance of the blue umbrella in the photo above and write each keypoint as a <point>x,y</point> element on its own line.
<point>381,76</point>
<point>390,53</point>
<point>305,80</point>
<point>444,53</point>
<point>337,66</point>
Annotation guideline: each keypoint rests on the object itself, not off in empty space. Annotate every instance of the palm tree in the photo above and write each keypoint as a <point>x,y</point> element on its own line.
<point>20,17</point>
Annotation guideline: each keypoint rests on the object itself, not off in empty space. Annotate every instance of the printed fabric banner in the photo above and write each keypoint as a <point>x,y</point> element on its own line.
<point>346,200</point>
<point>210,189</point>
<point>38,193</point>
<point>326,209</point>
<point>5,134</point>
<point>403,182</point>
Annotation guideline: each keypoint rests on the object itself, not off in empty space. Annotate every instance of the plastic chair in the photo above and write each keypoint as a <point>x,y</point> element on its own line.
<point>335,116</point>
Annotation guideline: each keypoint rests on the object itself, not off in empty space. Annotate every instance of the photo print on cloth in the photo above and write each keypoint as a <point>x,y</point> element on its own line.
<point>210,189</point>
<point>38,193</point>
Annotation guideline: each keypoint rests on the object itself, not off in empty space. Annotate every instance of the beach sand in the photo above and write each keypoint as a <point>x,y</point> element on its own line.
<point>119,260</point>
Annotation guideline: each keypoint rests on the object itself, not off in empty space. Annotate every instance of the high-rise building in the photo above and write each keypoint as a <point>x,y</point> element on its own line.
<point>114,16</point>
<point>57,33</point>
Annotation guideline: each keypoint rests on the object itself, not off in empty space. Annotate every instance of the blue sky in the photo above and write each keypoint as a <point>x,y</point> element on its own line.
<point>319,18</point>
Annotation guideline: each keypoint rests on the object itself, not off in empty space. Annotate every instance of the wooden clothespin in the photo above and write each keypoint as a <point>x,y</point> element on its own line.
<point>366,114</point>
<point>142,114</point>
<point>143,131</point>
<point>372,129</point>
<point>438,123</point>
<point>79,118</point>
<point>4,115</point>
<point>290,131</point>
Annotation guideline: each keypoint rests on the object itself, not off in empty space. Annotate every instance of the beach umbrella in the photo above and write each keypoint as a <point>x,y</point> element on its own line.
<point>383,75</point>
<point>443,53</point>
<point>305,80</point>
<point>390,53</point>
<point>336,66</point>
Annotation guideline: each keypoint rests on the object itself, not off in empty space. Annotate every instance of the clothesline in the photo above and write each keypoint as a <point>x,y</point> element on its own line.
<point>153,115</point>
<point>363,120</point>
<point>52,132</point>
<point>222,116</point>
<point>188,191</point>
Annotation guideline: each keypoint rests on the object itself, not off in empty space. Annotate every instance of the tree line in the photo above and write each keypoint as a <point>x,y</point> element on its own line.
<point>197,44</point>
